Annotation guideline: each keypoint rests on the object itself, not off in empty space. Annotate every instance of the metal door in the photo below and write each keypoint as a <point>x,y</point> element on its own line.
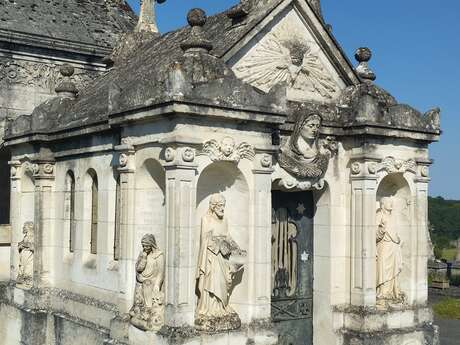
<point>292,266</point>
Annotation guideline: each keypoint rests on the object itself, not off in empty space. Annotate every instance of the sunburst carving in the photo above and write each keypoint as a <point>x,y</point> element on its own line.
<point>285,57</point>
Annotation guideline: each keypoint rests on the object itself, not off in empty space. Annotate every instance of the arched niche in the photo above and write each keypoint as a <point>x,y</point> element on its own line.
<point>150,204</point>
<point>397,187</point>
<point>87,238</point>
<point>226,178</point>
<point>69,219</point>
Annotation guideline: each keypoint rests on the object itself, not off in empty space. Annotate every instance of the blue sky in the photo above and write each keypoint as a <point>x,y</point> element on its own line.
<point>416,48</point>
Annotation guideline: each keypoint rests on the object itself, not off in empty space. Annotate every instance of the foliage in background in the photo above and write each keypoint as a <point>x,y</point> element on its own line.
<point>444,217</point>
<point>448,308</point>
<point>455,281</point>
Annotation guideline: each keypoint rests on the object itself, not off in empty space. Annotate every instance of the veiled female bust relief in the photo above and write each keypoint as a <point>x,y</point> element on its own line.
<point>304,155</point>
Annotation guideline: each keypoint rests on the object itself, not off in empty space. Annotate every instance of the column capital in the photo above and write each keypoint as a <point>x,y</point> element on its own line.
<point>40,169</point>
<point>180,158</point>
<point>126,161</point>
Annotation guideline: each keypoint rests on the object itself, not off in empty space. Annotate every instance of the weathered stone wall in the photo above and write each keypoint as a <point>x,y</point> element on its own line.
<point>26,82</point>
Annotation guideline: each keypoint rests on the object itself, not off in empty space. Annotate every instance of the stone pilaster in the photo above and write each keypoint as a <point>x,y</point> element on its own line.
<point>363,233</point>
<point>260,242</point>
<point>15,211</point>
<point>180,236</point>
<point>421,218</point>
<point>44,220</point>
<point>127,260</point>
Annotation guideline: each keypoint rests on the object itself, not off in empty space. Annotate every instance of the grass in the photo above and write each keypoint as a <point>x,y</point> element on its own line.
<point>448,308</point>
<point>449,254</point>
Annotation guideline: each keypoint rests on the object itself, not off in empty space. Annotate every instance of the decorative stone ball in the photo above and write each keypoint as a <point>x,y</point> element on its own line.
<point>188,155</point>
<point>67,70</point>
<point>170,154</point>
<point>196,17</point>
<point>356,168</point>
<point>425,171</point>
<point>363,54</point>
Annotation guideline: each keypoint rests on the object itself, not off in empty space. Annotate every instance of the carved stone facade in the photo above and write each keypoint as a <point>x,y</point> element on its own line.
<point>253,194</point>
<point>287,55</point>
<point>44,76</point>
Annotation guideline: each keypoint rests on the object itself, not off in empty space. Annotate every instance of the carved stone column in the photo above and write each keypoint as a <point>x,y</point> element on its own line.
<point>15,212</point>
<point>127,260</point>
<point>180,236</point>
<point>363,233</point>
<point>260,241</point>
<point>45,241</point>
<point>421,215</point>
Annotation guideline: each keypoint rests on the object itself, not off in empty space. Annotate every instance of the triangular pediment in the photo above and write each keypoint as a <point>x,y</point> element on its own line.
<point>292,47</point>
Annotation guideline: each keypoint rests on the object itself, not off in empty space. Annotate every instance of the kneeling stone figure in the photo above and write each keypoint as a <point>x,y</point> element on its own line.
<point>147,312</point>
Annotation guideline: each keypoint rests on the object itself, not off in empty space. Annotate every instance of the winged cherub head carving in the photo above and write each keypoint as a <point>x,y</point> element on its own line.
<point>297,51</point>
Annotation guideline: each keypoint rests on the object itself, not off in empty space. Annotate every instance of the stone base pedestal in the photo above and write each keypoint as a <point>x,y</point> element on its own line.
<point>191,336</point>
<point>408,326</point>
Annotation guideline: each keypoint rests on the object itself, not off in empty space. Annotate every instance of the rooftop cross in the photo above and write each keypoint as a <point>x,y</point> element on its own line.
<point>147,19</point>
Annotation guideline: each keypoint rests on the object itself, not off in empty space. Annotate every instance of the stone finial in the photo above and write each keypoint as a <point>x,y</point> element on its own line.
<point>67,89</point>
<point>196,42</point>
<point>316,5</point>
<point>147,19</point>
<point>239,12</point>
<point>363,56</point>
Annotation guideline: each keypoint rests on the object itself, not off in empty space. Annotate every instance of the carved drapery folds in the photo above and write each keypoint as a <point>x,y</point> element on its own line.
<point>220,263</point>
<point>227,150</point>
<point>305,155</point>
<point>26,256</point>
<point>147,312</point>
<point>389,256</point>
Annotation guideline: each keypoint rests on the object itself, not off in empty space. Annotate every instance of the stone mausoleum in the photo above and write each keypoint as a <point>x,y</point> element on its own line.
<point>237,181</point>
<point>36,38</point>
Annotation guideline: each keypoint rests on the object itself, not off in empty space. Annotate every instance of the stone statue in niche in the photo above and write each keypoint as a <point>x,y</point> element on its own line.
<point>26,256</point>
<point>227,150</point>
<point>304,155</point>
<point>220,268</point>
<point>389,256</point>
<point>147,312</point>
<point>284,254</point>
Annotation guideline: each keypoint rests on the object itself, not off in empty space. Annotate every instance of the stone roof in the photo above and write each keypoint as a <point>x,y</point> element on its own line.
<point>159,72</point>
<point>95,22</point>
